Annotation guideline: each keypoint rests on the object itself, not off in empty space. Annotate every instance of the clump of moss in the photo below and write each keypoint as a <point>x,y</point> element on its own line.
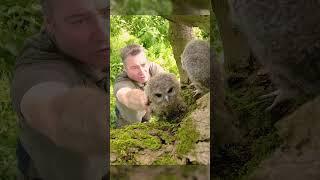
<point>130,139</point>
<point>123,141</point>
<point>188,97</point>
<point>187,137</point>
<point>261,149</point>
<point>165,159</point>
<point>238,161</point>
<point>171,176</point>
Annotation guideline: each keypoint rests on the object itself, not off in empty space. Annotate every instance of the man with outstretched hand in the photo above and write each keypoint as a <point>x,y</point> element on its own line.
<point>59,92</point>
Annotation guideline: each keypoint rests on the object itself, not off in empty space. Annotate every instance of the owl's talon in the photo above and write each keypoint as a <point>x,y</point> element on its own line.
<point>280,96</point>
<point>196,93</point>
<point>190,86</point>
<point>272,94</point>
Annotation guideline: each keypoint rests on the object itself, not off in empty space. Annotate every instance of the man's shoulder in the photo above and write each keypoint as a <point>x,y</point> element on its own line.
<point>155,68</point>
<point>122,77</point>
<point>122,81</point>
<point>40,57</point>
<point>39,63</point>
<point>39,49</point>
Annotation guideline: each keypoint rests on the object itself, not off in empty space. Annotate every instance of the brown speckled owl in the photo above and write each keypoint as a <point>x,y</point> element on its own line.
<point>163,91</point>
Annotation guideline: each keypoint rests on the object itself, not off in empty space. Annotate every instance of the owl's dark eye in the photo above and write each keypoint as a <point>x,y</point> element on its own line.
<point>170,90</point>
<point>158,95</point>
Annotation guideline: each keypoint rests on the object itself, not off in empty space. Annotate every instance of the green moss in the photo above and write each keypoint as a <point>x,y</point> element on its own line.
<point>165,159</point>
<point>261,137</point>
<point>123,140</point>
<point>166,177</point>
<point>187,137</point>
<point>167,137</point>
<point>130,139</point>
<point>129,160</point>
<point>188,97</point>
<point>262,149</point>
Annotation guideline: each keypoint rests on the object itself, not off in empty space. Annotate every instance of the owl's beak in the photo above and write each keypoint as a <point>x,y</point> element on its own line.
<point>166,98</point>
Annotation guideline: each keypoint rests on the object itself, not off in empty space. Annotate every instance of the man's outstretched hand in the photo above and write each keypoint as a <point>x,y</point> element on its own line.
<point>137,99</point>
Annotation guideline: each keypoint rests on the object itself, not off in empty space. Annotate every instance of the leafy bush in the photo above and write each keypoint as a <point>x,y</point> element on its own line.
<point>129,7</point>
<point>18,20</point>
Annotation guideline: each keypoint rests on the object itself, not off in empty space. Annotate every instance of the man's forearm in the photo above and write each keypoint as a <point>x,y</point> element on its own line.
<point>132,98</point>
<point>81,124</point>
<point>131,101</point>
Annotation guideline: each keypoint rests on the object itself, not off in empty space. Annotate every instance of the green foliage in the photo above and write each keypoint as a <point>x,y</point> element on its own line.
<point>18,20</point>
<point>8,133</point>
<point>147,7</point>
<point>152,33</point>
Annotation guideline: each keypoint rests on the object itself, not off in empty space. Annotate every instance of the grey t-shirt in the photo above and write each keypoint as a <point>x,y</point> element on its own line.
<point>128,116</point>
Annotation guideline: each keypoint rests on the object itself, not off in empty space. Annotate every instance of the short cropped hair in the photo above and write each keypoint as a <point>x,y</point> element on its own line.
<point>131,50</point>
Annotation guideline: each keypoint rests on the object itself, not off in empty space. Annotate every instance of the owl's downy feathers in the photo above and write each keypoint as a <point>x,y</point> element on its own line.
<point>195,59</point>
<point>163,91</point>
<point>285,37</point>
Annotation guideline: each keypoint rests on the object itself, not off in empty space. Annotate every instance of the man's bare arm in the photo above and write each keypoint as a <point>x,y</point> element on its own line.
<point>132,98</point>
<point>74,118</point>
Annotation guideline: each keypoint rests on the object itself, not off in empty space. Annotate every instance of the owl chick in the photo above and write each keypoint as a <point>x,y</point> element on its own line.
<point>163,91</point>
<point>285,37</point>
<point>195,60</point>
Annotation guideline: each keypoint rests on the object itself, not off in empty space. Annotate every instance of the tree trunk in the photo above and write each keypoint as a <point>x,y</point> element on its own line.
<point>190,7</point>
<point>179,36</point>
<point>235,46</point>
<point>201,21</point>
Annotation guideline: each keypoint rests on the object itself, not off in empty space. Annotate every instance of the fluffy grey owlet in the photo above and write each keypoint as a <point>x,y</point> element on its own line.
<point>163,91</point>
<point>195,59</point>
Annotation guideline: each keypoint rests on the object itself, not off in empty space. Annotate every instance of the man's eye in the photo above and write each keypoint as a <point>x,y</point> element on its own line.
<point>143,65</point>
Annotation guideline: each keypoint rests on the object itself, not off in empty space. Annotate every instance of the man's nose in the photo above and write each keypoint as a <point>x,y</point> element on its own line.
<point>140,70</point>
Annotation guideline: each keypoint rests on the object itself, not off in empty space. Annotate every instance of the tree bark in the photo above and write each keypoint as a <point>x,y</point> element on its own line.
<point>235,46</point>
<point>190,7</point>
<point>179,36</point>
<point>201,21</point>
